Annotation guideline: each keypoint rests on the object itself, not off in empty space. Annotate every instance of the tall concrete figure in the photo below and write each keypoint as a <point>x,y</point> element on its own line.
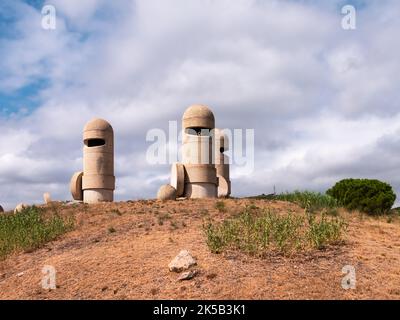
<point>204,171</point>
<point>97,181</point>
<point>200,179</point>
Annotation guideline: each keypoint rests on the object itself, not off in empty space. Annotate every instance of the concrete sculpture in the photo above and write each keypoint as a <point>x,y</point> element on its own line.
<point>221,160</point>
<point>1,209</point>
<point>166,192</point>
<point>204,171</point>
<point>20,207</point>
<point>47,198</point>
<point>200,174</point>
<point>97,181</point>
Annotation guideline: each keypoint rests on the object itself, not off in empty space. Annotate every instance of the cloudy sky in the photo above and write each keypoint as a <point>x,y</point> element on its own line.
<point>324,102</point>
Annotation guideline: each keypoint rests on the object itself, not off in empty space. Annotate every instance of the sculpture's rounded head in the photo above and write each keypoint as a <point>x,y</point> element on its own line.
<point>98,132</point>
<point>98,124</point>
<point>198,117</point>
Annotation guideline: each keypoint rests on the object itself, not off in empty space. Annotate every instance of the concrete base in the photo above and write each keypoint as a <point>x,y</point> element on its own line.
<point>200,190</point>
<point>98,195</point>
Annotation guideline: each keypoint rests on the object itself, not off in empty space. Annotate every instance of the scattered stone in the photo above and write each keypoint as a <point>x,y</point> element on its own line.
<point>71,203</point>
<point>182,261</point>
<point>187,275</point>
<point>166,192</point>
<point>46,198</point>
<point>20,207</point>
<point>20,274</point>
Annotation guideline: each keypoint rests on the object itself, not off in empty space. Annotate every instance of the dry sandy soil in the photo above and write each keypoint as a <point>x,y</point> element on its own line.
<point>92,262</point>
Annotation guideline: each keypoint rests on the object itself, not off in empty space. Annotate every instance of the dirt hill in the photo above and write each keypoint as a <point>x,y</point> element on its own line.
<point>122,251</point>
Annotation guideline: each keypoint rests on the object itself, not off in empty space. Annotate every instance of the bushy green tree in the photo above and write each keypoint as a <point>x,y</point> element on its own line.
<point>369,196</point>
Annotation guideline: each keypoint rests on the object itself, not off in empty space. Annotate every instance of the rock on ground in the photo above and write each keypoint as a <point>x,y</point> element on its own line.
<point>182,261</point>
<point>188,275</point>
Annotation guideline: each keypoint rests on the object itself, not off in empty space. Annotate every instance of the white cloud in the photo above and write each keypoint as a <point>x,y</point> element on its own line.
<point>322,100</point>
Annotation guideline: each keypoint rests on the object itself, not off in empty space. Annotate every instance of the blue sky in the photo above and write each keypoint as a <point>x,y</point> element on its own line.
<point>24,99</point>
<point>323,101</point>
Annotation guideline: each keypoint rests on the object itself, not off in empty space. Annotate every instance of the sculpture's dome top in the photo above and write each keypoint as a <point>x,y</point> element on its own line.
<point>198,116</point>
<point>98,124</point>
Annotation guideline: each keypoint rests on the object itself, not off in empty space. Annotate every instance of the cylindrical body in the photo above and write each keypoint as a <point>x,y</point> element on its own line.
<point>196,149</point>
<point>221,160</point>
<point>200,172</point>
<point>98,180</point>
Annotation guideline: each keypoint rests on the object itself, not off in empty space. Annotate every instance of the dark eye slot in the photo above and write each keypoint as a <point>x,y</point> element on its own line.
<point>197,131</point>
<point>95,142</point>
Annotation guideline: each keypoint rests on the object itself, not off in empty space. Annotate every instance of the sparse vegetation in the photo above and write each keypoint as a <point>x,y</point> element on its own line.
<point>162,217</point>
<point>312,201</point>
<point>117,212</point>
<point>220,206</point>
<point>323,231</point>
<point>174,225</point>
<point>29,230</point>
<point>256,233</point>
<point>370,196</point>
<point>389,219</point>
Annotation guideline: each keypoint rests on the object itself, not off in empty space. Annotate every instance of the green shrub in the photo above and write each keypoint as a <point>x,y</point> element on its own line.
<point>370,196</point>
<point>256,233</point>
<point>29,229</point>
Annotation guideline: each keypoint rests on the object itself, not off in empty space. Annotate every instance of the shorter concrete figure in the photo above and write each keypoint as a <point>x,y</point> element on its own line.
<point>221,144</point>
